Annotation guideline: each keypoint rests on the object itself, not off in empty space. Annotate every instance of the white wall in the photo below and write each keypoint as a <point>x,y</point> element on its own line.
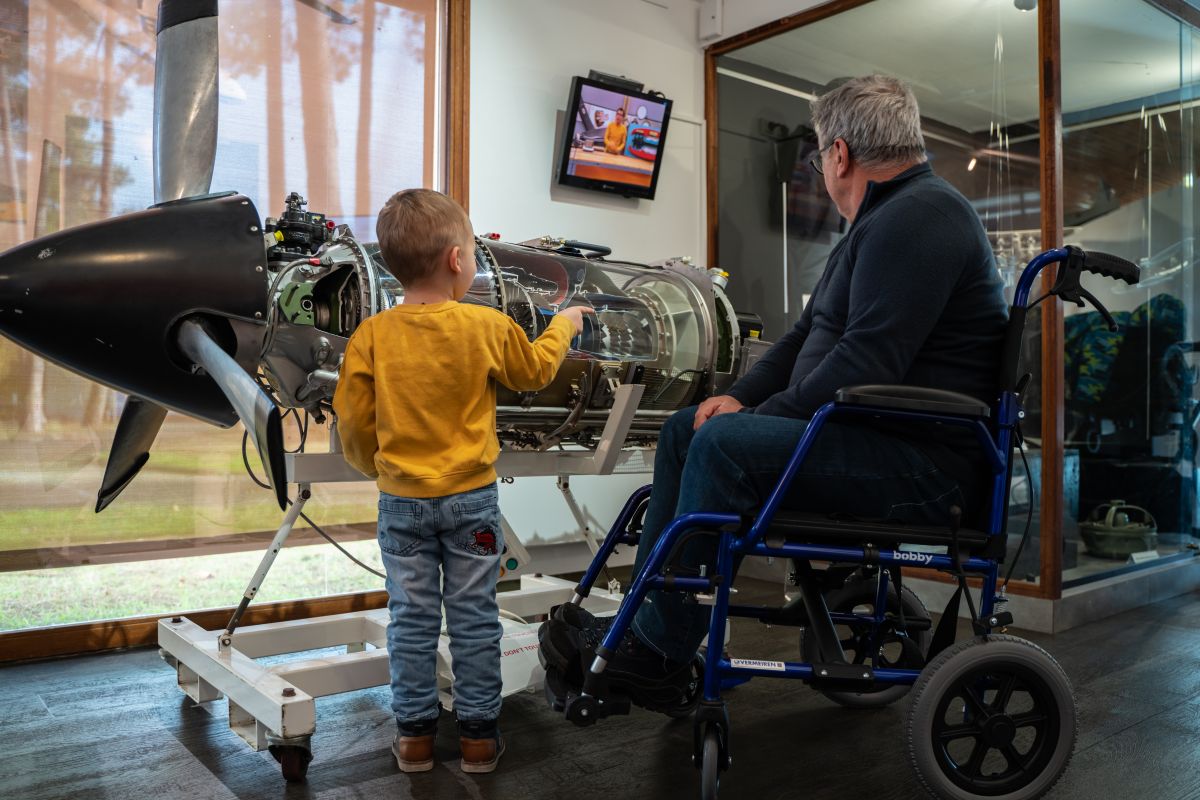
<point>739,16</point>
<point>523,55</point>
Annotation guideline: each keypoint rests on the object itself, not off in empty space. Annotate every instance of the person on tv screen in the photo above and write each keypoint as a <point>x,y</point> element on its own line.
<point>614,134</point>
<point>599,118</point>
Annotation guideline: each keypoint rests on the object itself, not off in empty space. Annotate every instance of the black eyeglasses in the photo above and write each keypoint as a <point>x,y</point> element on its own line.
<point>815,161</point>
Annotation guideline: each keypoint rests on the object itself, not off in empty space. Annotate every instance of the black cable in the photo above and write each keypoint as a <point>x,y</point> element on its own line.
<point>343,550</point>
<point>315,527</point>
<point>301,429</point>
<point>1046,296</point>
<point>246,462</point>
<point>1028,519</point>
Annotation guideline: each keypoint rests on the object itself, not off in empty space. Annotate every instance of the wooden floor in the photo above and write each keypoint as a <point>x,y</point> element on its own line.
<point>115,726</point>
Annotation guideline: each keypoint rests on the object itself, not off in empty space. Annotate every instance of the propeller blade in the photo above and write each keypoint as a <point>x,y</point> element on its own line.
<point>257,411</point>
<point>185,98</point>
<point>130,451</point>
<point>329,11</point>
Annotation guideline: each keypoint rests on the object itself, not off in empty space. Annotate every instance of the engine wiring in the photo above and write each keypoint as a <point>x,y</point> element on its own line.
<point>263,484</point>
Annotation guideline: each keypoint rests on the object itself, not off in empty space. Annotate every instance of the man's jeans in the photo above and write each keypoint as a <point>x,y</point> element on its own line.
<point>731,465</point>
<point>459,533</point>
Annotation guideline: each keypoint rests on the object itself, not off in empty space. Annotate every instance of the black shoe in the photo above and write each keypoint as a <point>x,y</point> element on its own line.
<point>649,679</point>
<point>570,631</point>
<point>569,640</point>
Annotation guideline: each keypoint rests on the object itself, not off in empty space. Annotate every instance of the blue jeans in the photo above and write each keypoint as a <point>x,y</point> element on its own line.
<point>461,535</point>
<point>731,465</point>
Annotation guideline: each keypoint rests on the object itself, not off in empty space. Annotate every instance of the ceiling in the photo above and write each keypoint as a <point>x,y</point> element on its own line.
<point>974,62</point>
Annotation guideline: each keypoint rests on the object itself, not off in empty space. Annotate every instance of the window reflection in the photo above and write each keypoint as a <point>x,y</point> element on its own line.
<point>1129,164</point>
<point>337,101</point>
<point>1128,161</point>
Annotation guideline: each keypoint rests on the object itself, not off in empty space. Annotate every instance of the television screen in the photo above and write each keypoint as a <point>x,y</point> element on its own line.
<point>614,139</point>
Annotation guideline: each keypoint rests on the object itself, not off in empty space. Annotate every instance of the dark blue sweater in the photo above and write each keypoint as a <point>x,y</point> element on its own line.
<point>909,296</point>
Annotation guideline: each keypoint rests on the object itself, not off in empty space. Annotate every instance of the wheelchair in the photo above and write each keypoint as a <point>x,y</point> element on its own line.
<point>990,716</point>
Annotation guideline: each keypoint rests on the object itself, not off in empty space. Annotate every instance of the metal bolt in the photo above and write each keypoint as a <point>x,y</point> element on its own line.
<point>258,315</point>
<point>258,268</point>
<point>254,229</point>
<point>824,673</point>
<point>176,620</point>
<point>583,712</point>
<point>289,692</point>
<point>866,674</point>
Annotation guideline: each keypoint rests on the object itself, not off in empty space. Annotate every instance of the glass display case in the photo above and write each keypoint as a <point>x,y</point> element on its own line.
<point>1127,436</point>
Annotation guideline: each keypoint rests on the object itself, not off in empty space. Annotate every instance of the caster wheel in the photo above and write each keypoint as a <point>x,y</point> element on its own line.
<point>710,764</point>
<point>857,596</point>
<point>293,761</point>
<point>583,711</point>
<point>991,717</point>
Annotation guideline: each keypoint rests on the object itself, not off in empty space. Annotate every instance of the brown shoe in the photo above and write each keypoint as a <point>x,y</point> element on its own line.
<point>413,753</point>
<point>480,755</point>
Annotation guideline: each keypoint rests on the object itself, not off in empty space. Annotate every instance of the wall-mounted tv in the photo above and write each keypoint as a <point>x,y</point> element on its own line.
<point>613,139</point>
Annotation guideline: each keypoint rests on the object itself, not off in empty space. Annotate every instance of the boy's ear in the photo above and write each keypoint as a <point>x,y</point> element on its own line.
<point>453,256</point>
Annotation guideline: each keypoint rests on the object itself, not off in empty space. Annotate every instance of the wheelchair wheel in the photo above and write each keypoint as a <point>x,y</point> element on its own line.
<point>710,764</point>
<point>857,596</point>
<point>993,716</point>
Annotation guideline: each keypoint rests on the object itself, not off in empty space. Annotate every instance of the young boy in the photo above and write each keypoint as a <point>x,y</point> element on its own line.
<point>416,409</point>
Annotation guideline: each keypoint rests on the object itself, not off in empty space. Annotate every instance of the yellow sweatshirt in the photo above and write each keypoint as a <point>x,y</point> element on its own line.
<point>416,400</point>
<point>614,138</point>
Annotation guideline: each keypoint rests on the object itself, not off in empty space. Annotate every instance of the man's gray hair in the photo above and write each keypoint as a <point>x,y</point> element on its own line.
<point>877,117</point>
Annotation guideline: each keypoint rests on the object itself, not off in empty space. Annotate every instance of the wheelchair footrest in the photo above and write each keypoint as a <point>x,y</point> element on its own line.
<point>843,677</point>
<point>581,709</point>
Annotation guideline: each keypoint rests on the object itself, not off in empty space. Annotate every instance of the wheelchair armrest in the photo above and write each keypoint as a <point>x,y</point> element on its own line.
<point>913,398</point>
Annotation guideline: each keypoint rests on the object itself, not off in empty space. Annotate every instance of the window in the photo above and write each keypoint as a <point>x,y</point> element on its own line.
<point>344,107</point>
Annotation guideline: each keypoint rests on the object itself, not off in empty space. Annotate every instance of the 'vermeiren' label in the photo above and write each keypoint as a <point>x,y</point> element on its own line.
<point>753,663</point>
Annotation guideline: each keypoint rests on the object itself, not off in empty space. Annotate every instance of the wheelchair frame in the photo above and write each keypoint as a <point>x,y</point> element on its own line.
<point>996,437</point>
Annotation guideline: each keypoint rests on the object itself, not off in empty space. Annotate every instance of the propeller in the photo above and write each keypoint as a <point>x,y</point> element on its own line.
<point>257,412</point>
<point>329,11</point>
<point>185,144</point>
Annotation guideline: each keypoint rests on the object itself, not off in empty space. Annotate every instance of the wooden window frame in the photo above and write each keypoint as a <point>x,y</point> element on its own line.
<point>90,637</point>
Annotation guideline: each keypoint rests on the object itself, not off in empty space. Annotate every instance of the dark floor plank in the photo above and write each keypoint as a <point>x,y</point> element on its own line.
<point>117,726</point>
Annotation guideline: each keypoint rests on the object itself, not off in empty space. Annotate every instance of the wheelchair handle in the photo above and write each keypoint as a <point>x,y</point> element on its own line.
<point>1110,266</point>
<point>1067,286</point>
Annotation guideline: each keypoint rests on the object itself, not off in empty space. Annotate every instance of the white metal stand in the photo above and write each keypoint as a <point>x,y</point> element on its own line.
<point>274,706</point>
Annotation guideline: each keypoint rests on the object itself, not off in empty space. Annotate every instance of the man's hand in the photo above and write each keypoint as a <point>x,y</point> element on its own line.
<point>721,404</point>
<point>574,315</point>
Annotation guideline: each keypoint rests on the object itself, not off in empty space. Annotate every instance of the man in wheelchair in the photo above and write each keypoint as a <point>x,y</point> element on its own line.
<point>910,296</point>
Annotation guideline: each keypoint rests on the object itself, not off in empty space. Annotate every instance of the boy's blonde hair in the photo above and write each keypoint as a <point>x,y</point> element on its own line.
<point>415,227</point>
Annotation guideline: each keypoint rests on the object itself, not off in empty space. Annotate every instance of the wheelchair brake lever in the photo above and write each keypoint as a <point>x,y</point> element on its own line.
<point>1091,298</point>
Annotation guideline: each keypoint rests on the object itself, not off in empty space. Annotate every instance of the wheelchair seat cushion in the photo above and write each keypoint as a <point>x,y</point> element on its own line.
<point>798,526</point>
<point>913,398</point>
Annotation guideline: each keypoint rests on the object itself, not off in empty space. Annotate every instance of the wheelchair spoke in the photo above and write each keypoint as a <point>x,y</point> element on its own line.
<point>1034,719</point>
<point>974,765</point>
<point>1016,761</point>
<point>958,732</point>
<point>1004,693</point>
<point>975,702</point>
